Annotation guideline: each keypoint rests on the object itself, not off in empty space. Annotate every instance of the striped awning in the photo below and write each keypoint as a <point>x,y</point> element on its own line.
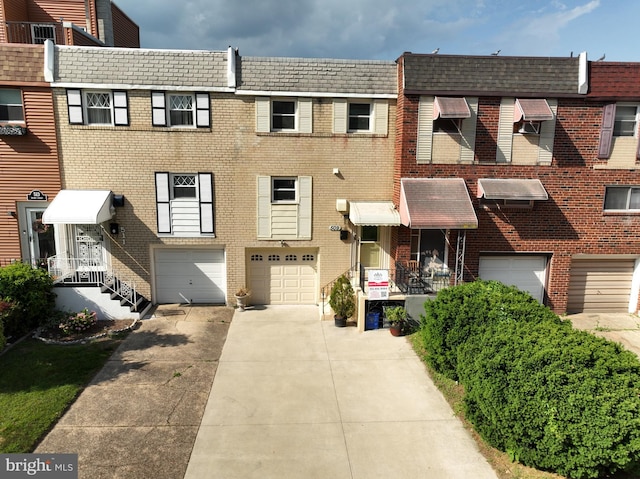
<point>373,213</point>
<point>511,189</point>
<point>436,203</point>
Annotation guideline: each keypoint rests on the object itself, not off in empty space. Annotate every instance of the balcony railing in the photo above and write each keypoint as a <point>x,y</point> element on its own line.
<point>87,272</point>
<point>34,32</point>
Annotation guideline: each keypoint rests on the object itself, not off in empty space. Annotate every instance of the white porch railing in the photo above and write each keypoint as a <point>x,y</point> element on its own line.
<point>82,271</point>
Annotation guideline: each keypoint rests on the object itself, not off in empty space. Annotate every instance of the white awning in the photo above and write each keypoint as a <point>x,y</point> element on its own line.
<point>79,207</point>
<point>373,213</point>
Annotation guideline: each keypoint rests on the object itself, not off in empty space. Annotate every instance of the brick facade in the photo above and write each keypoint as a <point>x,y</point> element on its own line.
<point>570,222</point>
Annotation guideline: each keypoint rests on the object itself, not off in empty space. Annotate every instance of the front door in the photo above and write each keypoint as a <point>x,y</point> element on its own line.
<point>40,237</point>
<point>370,250</point>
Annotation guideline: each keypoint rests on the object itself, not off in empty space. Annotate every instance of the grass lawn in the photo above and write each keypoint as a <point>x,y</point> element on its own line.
<point>38,382</point>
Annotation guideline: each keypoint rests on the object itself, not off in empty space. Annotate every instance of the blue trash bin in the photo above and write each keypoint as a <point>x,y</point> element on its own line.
<point>372,320</point>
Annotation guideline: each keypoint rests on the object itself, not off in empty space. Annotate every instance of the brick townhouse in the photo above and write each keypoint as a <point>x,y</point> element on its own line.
<point>29,163</point>
<point>227,172</point>
<point>522,170</point>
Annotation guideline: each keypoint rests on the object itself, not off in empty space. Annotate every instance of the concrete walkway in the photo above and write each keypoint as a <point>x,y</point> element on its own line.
<point>623,328</point>
<point>294,397</point>
<point>139,416</point>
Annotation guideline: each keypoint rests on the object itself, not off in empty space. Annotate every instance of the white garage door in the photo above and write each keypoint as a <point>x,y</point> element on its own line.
<point>527,273</point>
<point>279,276</point>
<point>598,285</point>
<point>190,276</point>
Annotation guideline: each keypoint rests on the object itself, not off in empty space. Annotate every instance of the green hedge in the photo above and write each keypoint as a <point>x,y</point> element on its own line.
<point>31,291</point>
<point>554,398</point>
<point>459,312</point>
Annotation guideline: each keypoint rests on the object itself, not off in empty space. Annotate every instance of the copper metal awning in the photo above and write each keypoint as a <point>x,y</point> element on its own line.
<point>511,189</point>
<point>436,203</point>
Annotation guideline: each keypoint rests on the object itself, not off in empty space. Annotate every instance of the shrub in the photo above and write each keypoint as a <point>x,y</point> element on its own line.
<point>342,298</point>
<point>31,290</point>
<point>78,322</point>
<point>9,317</point>
<point>554,398</point>
<point>3,340</point>
<point>461,311</point>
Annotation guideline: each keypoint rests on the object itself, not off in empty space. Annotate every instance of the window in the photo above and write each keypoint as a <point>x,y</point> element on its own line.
<point>527,127</point>
<point>283,115</point>
<point>184,186</point>
<point>283,190</point>
<point>447,125</point>
<point>369,233</point>
<point>180,109</point>
<point>41,33</point>
<point>98,108</point>
<point>89,107</point>
<point>359,117</point>
<point>622,198</point>
<point>11,106</point>
<point>184,203</point>
<point>625,122</point>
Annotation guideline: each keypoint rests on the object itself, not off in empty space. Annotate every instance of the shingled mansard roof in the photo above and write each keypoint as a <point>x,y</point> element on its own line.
<point>492,75</point>
<point>141,68</point>
<point>317,76</point>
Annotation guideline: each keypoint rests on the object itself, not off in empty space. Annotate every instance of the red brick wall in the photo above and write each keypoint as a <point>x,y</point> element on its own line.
<point>570,222</point>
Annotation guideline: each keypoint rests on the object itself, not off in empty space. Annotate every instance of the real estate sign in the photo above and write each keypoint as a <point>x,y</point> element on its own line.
<point>378,284</point>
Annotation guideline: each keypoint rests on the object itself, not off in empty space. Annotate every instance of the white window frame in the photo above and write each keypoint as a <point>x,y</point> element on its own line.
<point>629,193</point>
<point>78,110</point>
<point>351,115</point>
<point>192,110</point>
<point>619,119</point>
<point>86,94</point>
<point>175,177</point>
<point>14,122</point>
<point>293,115</point>
<point>295,189</point>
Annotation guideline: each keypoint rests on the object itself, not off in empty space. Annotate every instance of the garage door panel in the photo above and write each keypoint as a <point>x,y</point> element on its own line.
<point>527,273</point>
<point>184,275</point>
<point>283,278</point>
<point>600,285</point>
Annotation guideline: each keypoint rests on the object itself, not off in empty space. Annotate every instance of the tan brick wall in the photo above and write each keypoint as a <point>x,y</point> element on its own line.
<point>124,159</point>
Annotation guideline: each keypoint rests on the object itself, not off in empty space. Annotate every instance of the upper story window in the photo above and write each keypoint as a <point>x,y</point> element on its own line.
<point>11,110</point>
<point>284,190</point>
<point>625,123</point>
<point>448,113</point>
<point>89,107</point>
<point>283,115</point>
<point>622,198</point>
<point>359,117</point>
<point>180,109</point>
<point>529,114</point>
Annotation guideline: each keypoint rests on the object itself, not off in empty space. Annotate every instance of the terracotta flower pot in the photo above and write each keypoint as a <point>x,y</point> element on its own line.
<point>395,329</point>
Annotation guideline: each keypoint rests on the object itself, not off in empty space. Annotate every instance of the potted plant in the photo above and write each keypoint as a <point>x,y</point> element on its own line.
<point>397,317</point>
<point>342,301</point>
<point>241,298</point>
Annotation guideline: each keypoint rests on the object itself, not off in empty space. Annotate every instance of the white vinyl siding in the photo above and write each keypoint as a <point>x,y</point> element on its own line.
<point>290,220</point>
<point>468,136</point>
<point>425,129</point>
<point>505,130</point>
<point>547,134</point>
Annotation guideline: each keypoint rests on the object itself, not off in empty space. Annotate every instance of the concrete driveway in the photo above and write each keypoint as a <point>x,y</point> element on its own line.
<point>623,328</point>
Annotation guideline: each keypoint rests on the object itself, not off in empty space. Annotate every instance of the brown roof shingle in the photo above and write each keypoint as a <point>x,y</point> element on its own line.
<point>490,75</point>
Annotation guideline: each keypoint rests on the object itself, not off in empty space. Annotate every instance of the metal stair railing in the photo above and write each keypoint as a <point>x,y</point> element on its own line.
<point>66,270</point>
